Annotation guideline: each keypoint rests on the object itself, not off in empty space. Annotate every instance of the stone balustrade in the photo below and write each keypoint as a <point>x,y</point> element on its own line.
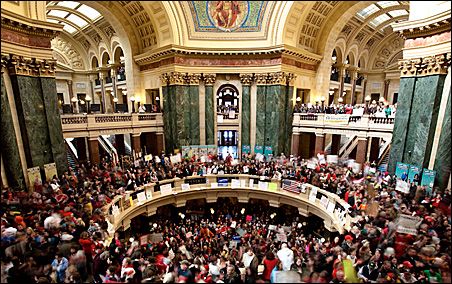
<point>146,199</point>
<point>342,124</point>
<point>92,125</point>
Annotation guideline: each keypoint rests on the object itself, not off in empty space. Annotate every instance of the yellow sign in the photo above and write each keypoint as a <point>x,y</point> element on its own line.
<point>50,170</point>
<point>34,177</point>
<point>272,186</point>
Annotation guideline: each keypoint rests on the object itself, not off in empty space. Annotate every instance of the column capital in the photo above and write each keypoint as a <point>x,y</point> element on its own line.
<point>194,79</point>
<point>209,79</point>
<point>434,65</point>
<point>246,79</point>
<point>19,65</point>
<point>261,79</point>
<point>69,82</point>
<point>387,82</point>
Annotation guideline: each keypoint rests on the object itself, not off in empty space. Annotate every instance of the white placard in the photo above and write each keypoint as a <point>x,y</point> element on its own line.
<point>330,207</point>
<point>148,157</point>
<point>272,227</point>
<point>148,193</point>
<point>233,224</point>
<point>262,177</point>
<point>324,201</point>
<point>157,159</point>
<point>281,237</point>
<point>356,168</point>
<point>115,210</point>
<point>311,165</point>
<point>321,158</point>
<point>402,186</point>
<point>232,114</point>
<point>141,197</point>
<point>173,159</point>
<point>263,185</point>
<point>251,182</point>
<point>214,185</point>
<point>235,183</point>
<point>166,189</point>
<point>243,183</point>
<point>219,118</point>
<point>185,186</point>
<point>332,159</point>
<point>203,159</point>
<point>313,194</point>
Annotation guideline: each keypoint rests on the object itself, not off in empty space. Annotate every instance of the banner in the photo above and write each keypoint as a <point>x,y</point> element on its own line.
<point>407,224</point>
<point>428,179</point>
<point>324,201</point>
<point>258,149</point>
<point>185,186</point>
<point>141,197</point>
<point>313,194</point>
<point>330,207</point>
<point>246,149</point>
<point>291,185</point>
<point>402,171</point>
<point>272,186</point>
<point>268,150</point>
<point>50,171</point>
<point>166,189</point>
<point>235,183</point>
<point>263,185</point>
<point>413,175</point>
<point>34,176</point>
<point>337,119</point>
<point>402,186</point>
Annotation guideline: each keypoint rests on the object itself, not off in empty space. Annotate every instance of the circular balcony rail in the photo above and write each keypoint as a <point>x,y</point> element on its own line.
<point>146,199</point>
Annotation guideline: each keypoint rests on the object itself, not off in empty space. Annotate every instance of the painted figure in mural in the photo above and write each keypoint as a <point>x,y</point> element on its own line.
<point>226,13</point>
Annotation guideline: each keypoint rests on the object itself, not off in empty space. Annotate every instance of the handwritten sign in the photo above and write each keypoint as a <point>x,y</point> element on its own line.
<point>313,195</point>
<point>235,183</point>
<point>263,185</point>
<point>141,197</point>
<point>166,189</point>
<point>281,237</point>
<point>185,186</point>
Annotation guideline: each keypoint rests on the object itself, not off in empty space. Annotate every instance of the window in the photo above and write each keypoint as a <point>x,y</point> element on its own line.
<point>397,13</point>
<point>58,13</point>
<point>91,13</point>
<point>70,29</point>
<point>77,20</point>
<point>364,13</point>
<point>228,101</point>
<point>385,4</point>
<point>68,4</point>
<point>378,20</point>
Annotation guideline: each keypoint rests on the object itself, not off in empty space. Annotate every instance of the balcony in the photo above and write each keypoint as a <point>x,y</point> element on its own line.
<point>227,118</point>
<point>343,124</point>
<point>90,125</point>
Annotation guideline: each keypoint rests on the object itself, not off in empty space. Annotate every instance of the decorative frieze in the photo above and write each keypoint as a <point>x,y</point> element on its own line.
<point>246,79</point>
<point>277,78</point>
<point>209,79</point>
<point>19,65</point>
<point>430,65</point>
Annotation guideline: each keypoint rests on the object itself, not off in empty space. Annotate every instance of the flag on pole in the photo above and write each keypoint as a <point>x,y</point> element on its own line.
<point>292,186</point>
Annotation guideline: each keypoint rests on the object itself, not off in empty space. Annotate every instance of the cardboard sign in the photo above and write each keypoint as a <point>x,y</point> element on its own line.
<point>148,157</point>
<point>313,194</point>
<point>281,237</point>
<point>330,207</point>
<point>166,189</point>
<point>144,240</point>
<point>141,197</point>
<point>233,224</point>
<point>185,186</point>
<point>407,224</point>
<point>324,201</point>
<point>235,183</point>
<point>50,170</point>
<point>263,185</point>
<point>156,237</point>
<point>272,227</point>
<point>402,186</point>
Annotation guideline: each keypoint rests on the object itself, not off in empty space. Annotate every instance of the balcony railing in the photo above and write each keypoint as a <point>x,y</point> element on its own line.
<point>121,77</point>
<point>83,124</point>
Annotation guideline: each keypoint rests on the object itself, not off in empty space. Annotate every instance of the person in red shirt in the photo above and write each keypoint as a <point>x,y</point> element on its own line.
<point>88,248</point>
<point>269,262</point>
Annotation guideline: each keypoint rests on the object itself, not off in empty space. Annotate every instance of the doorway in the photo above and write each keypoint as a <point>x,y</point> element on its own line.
<point>227,143</point>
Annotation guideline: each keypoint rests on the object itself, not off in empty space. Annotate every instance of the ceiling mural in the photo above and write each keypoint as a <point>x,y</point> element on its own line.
<point>227,16</point>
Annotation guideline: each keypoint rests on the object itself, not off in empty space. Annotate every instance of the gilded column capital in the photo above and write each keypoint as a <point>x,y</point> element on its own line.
<point>290,78</point>
<point>209,79</point>
<point>387,82</point>
<point>277,78</point>
<point>194,79</point>
<point>176,78</point>
<point>408,67</point>
<point>261,79</point>
<point>246,79</point>
<point>433,65</point>
<point>164,79</point>
<point>19,65</point>
<point>353,72</point>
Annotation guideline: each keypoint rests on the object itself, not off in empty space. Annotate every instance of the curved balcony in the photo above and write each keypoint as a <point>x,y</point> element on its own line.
<point>91,125</point>
<point>120,211</point>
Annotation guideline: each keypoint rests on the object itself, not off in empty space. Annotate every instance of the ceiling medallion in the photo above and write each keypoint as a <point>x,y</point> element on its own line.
<point>227,16</point>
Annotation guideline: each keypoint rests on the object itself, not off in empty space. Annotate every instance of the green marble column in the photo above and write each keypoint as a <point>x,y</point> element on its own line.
<point>194,114</point>
<point>289,119</point>
<point>402,119</point>
<point>272,114</point>
<point>58,148</point>
<point>8,143</point>
<point>182,116</point>
<point>167,119</point>
<point>422,126</point>
<point>246,91</point>
<point>210,115</point>
<point>261,98</point>
<point>443,154</point>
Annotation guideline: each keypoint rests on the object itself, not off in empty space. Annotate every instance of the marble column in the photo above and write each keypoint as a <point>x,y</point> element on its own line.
<point>193,99</point>
<point>102,87</point>
<point>136,143</point>
<point>247,80</point>
<point>319,143</point>
<point>342,69</point>
<point>74,106</point>
<point>209,80</point>
<point>335,144</point>
<point>93,149</point>
<point>361,150</point>
<point>364,84</point>
<point>261,99</point>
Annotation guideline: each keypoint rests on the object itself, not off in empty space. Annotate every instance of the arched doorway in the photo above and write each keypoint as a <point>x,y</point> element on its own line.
<point>228,108</point>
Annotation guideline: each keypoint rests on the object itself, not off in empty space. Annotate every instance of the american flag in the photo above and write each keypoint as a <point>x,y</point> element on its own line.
<point>291,185</point>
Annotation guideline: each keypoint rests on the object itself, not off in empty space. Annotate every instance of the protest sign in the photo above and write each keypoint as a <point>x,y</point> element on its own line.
<point>263,185</point>
<point>324,201</point>
<point>50,171</point>
<point>281,237</point>
<point>313,194</point>
<point>185,186</point>
<point>233,224</point>
<point>272,227</point>
<point>148,192</point>
<point>249,218</point>
<point>407,224</point>
<point>156,237</point>
<point>402,186</point>
<point>166,189</point>
<point>148,158</point>
<point>144,240</point>
<point>337,119</point>
<point>272,186</point>
<point>428,179</point>
<point>402,171</point>
<point>141,197</point>
<point>330,207</point>
<point>251,182</point>
<point>242,182</point>
<point>413,175</point>
<point>332,159</point>
<point>235,183</point>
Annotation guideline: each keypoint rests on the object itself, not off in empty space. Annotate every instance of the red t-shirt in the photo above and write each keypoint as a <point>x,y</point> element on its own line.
<point>268,267</point>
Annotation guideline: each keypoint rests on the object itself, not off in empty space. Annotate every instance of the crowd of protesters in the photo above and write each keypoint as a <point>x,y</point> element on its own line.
<point>379,109</point>
<point>59,233</point>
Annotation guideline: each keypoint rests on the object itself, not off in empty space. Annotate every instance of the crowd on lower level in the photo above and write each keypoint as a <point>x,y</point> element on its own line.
<point>59,233</point>
<point>374,109</point>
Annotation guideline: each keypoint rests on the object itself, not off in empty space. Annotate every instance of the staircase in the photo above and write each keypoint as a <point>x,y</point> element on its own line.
<point>384,157</point>
<point>107,146</point>
<point>70,154</point>
<point>344,140</point>
<point>348,147</point>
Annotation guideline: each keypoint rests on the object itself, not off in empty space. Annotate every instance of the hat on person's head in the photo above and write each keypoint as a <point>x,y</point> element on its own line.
<point>407,264</point>
<point>348,238</point>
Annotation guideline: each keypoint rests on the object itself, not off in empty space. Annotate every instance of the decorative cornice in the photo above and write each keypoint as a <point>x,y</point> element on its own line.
<point>246,79</point>
<point>18,65</point>
<point>176,78</point>
<point>29,29</point>
<point>209,79</point>
<point>424,27</point>
<point>277,78</point>
<point>430,65</point>
<point>164,79</point>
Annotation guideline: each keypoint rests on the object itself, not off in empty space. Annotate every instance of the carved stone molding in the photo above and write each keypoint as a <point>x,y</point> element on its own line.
<point>177,78</point>
<point>164,79</point>
<point>429,65</point>
<point>246,79</point>
<point>194,79</point>
<point>277,78</point>
<point>18,65</point>
<point>290,78</point>
<point>209,79</point>
<point>261,79</point>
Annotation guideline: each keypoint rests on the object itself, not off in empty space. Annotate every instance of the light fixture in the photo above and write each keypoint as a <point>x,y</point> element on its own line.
<point>346,61</point>
<point>182,216</point>
<point>154,225</point>
<point>331,92</point>
<point>82,102</point>
<point>322,99</point>
<point>74,100</point>
<point>340,100</point>
<point>298,99</point>
<point>299,225</point>
<point>115,100</point>
<point>132,99</point>
<point>322,240</point>
<point>88,98</point>
<point>242,211</point>
<point>157,99</point>
<point>367,98</point>
<point>124,92</point>
<point>304,223</point>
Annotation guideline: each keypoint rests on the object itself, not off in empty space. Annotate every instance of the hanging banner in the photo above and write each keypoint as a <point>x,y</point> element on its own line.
<point>50,170</point>
<point>246,149</point>
<point>402,171</point>
<point>258,149</point>
<point>235,183</point>
<point>337,119</point>
<point>185,186</point>
<point>141,197</point>
<point>166,189</point>
<point>428,179</point>
<point>413,175</point>
<point>263,185</point>
<point>34,177</point>
<point>268,150</point>
<point>313,194</point>
<point>324,201</point>
<point>272,186</point>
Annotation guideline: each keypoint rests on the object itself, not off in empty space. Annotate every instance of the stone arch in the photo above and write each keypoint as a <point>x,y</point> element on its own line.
<point>363,58</point>
<point>385,50</point>
<point>117,53</point>
<point>340,50</point>
<point>353,55</point>
<point>94,62</point>
<point>105,58</point>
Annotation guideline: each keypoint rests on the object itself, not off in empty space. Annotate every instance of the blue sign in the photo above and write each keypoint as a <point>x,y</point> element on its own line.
<point>402,171</point>
<point>258,149</point>
<point>246,149</point>
<point>428,180</point>
<point>414,175</point>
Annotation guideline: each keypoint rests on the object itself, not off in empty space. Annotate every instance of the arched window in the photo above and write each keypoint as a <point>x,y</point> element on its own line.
<point>228,101</point>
